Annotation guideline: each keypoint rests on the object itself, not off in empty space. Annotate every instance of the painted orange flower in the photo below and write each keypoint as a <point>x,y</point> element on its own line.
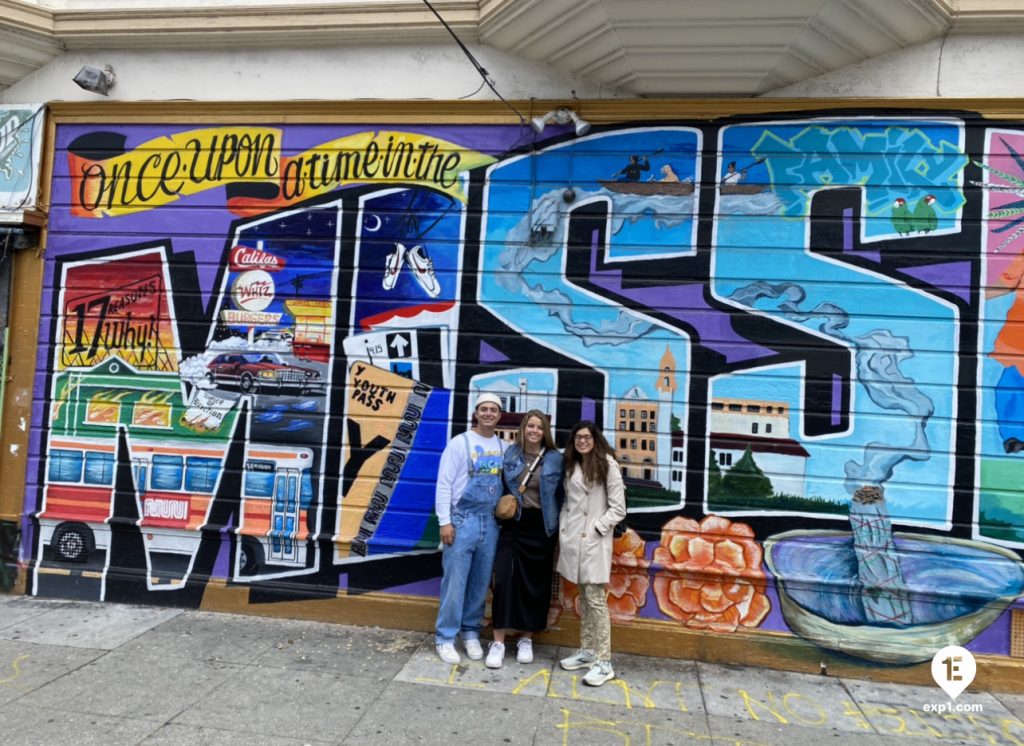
<point>628,584</point>
<point>711,576</point>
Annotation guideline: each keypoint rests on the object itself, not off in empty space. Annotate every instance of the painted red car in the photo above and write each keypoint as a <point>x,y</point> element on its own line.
<point>262,372</point>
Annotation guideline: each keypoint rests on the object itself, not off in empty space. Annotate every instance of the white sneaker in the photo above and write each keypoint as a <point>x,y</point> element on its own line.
<point>446,651</point>
<point>473,649</point>
<point>495,655</point>
<point>524,651</point>
<point>392,265</point>
<point>423,271</point>
<point>582,659</point>
<point>599,673</point>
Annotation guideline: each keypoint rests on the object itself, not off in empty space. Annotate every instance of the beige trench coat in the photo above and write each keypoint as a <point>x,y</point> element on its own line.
<point>586,524</point>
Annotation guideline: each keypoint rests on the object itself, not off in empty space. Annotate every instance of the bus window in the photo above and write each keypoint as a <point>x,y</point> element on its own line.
<point>306,493</point>
<point>99,468</point>
<point>259,483</point>
<point>65,466</point>
<point>166,473</point>
<point>201,473</point>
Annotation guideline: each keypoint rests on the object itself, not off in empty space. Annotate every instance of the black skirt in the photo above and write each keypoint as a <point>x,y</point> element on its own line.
<point>523,569</point>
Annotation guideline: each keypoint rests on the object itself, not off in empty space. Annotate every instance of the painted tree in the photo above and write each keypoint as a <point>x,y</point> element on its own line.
<point>745,479</point>
<point>714,478</point>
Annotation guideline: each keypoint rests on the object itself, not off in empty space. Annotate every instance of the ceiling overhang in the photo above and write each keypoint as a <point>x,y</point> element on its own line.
<point>650,48</point>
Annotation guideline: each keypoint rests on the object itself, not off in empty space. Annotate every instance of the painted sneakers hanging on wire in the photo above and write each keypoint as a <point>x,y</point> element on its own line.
<point>420,264</point>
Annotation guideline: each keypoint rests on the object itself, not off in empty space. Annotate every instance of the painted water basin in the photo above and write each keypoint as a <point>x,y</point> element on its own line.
<point>956,589</point>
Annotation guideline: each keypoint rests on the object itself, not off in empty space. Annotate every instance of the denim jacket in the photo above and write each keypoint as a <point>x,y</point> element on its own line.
<point>552,491</point>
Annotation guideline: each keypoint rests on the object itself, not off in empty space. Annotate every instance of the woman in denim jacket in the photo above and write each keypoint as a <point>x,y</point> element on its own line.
<point>523,568</point>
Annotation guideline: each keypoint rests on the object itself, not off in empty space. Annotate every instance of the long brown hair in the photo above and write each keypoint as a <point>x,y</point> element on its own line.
<point>549,441</point>
<point>594,464</point>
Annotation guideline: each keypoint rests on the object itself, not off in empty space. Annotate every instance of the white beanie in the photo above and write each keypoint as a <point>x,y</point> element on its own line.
<point>487,397</point>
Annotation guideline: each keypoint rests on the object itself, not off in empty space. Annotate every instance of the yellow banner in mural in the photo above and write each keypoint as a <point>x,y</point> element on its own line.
<point>165,169</point>
<point>384,412</point>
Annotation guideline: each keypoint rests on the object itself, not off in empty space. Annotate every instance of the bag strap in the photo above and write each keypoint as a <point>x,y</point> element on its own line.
<point>533,466</point>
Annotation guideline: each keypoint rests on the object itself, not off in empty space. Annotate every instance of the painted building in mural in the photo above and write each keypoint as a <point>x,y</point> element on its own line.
<point>256,341</point>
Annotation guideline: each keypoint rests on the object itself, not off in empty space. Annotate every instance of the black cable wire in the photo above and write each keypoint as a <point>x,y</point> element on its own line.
<point>479,68</point>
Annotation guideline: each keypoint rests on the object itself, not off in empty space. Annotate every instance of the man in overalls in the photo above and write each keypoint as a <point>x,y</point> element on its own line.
<point>468,488</point>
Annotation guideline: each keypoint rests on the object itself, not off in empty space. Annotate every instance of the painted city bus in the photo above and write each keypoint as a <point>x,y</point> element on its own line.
<point>277,492</point>
<point>175,468</point>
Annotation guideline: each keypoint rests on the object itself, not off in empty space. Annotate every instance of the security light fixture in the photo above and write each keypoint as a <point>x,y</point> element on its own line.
<point>561,117</point>
<point>94,80</point>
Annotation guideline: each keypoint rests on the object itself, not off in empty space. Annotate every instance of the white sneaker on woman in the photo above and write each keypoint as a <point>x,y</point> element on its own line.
<point>495,655</point>
<point>599,673</point>
<point>524,651</point>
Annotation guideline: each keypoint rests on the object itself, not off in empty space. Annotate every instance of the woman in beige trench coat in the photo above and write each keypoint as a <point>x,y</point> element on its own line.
<point>594,502</point>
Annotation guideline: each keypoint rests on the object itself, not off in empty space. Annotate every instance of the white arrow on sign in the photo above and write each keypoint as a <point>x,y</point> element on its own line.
<point>398,344</point>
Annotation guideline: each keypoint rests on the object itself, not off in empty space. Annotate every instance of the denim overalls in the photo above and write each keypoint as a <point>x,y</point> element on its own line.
<point>469,560</point>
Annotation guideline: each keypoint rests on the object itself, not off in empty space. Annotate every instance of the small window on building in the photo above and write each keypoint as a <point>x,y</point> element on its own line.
<point>622,424</point>
<point>769,409</point>
<point>782,410</point>
<point>632,426</point>
<point>767,427</point>
<point>632,414</point>
<point>643,427</point>
<point>735,407</point>
<point>753,428</point>
<point>622,442</point>
<point>643,445</point>
<point>643,414</point>
<point>717,406</point>
<point>677,455</point>
<point>632,443</point>
<point>755,408</point>
<point>622,413</point>
<point>650,445</point>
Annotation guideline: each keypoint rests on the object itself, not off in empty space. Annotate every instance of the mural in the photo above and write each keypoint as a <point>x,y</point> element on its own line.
<point>799,334</point>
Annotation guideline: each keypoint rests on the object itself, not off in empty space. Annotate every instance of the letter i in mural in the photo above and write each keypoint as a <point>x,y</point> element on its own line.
<point>400,354</point>
<point>115,369</point>
<point>268,350</point>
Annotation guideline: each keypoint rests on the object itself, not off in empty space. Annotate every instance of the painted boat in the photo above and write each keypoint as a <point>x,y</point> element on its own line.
<point>741,188</point>
<point>650,188</point>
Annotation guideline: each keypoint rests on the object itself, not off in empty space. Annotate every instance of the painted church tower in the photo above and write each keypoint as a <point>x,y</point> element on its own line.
<point>666,388</point>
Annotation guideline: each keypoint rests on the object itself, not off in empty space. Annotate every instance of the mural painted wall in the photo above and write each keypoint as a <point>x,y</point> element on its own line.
<point>802,335</point>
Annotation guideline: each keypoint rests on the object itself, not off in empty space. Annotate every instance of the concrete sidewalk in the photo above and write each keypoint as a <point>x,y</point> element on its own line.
<point>84,673</point>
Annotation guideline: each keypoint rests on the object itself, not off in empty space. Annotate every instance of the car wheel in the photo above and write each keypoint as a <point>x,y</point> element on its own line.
<point>73,542</point>
<point>251,561</point>
<point>210,378</point>
<point>246,383</point>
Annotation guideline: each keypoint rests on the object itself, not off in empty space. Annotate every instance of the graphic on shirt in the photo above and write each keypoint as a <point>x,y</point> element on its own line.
<point>486,461</point>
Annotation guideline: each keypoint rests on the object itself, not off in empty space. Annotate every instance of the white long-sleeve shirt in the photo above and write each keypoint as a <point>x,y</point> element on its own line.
<point>453,472</point>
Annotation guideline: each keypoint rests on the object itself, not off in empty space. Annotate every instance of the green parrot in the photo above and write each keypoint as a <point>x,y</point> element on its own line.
<point>925,220</point>
<point>901,218</point>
